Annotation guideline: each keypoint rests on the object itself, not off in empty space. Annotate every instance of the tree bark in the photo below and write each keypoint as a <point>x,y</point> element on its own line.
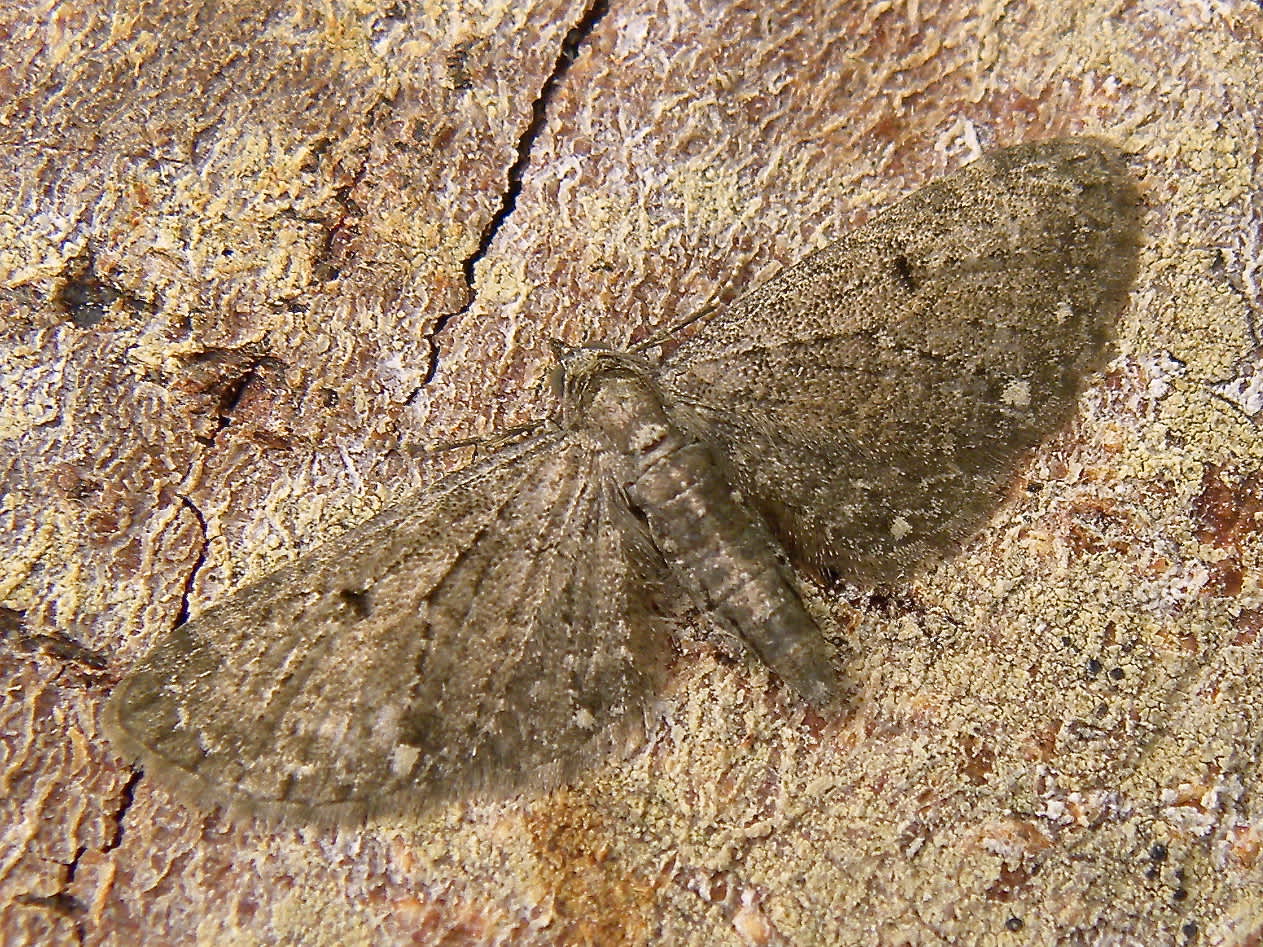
<point>256,256</point>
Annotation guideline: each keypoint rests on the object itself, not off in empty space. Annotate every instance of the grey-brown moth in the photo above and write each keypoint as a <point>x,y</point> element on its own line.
<point>859,414</point>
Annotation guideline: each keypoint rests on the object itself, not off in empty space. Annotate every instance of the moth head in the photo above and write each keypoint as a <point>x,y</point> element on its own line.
<point>579,369</point>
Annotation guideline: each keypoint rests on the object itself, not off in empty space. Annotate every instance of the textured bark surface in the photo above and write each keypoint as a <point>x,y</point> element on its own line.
<point>253,255</point>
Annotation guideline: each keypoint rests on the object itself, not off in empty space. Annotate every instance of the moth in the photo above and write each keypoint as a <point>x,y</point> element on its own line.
<point>858,415</point>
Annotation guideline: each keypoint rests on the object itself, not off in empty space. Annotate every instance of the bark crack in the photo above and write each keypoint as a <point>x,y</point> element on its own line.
<point>187,592</point>
<point>566,57</point>
<point>126,798</point>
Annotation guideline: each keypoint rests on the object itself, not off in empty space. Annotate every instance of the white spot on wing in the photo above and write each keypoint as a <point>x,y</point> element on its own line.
<point>403,758</point>
<point>1017,394</point>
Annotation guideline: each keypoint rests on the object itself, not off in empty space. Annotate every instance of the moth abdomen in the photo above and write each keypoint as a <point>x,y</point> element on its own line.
<point>719,550</point>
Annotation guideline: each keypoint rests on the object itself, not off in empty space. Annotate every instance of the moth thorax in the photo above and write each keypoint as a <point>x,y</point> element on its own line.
<point>624,409</point>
